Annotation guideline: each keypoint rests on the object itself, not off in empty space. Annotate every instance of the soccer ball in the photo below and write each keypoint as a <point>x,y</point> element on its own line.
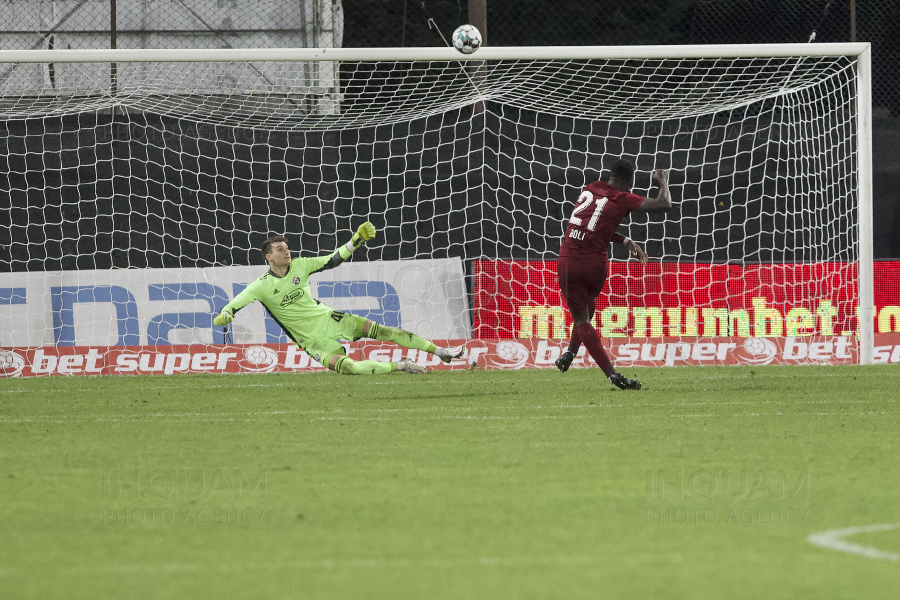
<point>466,39</point>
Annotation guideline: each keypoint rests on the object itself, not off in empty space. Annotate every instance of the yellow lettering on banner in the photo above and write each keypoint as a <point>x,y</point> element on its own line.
<point>826,312</point>
<point>767,322</point>
<point>673,316</point>
<point>889,319</point>
<point>641,315</point>
<point>542,314</point>
<point>535,321</point>
<point>690,322</point>
<point>856,312</point>
<point>715,322</point>
<point>615,321</point>
<point>739,323</point>
<point>799,320</point>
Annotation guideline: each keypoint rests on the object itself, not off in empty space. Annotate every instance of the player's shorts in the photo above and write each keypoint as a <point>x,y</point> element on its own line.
<point>581,280</point>
<point>340,326</point>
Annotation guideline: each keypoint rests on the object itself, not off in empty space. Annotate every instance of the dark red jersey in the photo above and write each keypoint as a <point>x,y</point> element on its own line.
<point>597,213</point>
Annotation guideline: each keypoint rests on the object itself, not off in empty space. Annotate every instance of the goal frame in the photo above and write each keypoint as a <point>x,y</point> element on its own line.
<point>861,51</point>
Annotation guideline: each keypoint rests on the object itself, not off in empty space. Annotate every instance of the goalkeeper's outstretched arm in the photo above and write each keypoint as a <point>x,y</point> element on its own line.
<point>364,233</point>
<point>226,315</point>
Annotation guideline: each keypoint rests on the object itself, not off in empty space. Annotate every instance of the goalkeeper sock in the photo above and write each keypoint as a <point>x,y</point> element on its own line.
<point>591,339</point>
<point>401,338</point>
<point>348,366</point>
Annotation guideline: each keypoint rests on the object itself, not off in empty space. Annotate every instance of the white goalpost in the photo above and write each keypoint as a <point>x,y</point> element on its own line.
<point>127,202</point>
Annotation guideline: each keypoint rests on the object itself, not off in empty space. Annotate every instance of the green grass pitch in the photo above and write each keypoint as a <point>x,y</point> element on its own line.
<point>532,484</point>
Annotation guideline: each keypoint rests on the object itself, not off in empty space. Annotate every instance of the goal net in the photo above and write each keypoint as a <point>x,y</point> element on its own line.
<point>136,195</point>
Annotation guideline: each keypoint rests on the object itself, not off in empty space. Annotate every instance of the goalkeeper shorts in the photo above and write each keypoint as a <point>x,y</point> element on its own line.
<point>339,326</point>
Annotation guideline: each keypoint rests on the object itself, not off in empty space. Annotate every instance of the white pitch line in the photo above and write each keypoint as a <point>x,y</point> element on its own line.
<point>833,539</point>
<point>339,563</point>
<point>319,415</point>
<point>453,409</point>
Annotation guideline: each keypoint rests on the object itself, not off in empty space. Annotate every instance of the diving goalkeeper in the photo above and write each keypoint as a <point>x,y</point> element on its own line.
<point>285,292</point>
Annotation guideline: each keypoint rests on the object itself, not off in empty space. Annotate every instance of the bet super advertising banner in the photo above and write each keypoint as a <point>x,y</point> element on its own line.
<point>163,307</point>
<point>195,358</point>
<point>479,354</point>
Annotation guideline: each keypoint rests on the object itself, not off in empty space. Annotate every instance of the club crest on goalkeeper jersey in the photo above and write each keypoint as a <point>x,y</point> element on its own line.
<point>289,299</point>
<point>598,211</point>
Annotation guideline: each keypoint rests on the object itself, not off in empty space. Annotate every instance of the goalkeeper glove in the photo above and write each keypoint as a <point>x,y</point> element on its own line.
<point>365,233</point>
<point>223,318</point>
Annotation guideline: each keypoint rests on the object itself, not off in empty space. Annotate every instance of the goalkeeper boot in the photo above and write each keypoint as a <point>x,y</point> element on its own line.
<point>448,354</point>
<point>408,366</point>
<point>623,383</point>
<point>564,362</point>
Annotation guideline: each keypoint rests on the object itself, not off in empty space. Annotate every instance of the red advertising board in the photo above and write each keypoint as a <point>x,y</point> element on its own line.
<point>521,299</point>
<point>479,354</point>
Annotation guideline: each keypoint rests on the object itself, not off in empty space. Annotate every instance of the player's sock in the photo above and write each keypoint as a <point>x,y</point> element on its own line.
<point>591,339</point>
<point>348,366</point>
<point>401,338</point>
<point>574,343</point>
<point>575,340</point>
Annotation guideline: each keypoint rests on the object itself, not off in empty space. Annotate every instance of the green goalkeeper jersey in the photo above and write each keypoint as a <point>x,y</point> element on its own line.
<point>289,299</point>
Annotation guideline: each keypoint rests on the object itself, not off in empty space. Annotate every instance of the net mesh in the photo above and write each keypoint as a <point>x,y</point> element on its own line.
<point>185,165</point>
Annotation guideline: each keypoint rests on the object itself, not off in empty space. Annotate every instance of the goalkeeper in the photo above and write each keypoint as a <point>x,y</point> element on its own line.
<point>285,292</point>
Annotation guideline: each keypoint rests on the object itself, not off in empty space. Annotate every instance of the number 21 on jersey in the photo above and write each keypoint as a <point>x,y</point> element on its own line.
<point>584,202</point>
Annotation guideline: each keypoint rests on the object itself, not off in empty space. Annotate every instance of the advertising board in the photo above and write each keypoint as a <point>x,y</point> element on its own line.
<point>146,307</point>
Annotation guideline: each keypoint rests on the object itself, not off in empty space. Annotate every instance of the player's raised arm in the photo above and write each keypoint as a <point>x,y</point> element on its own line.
<point>663,200</point>
<point>364,233</point>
